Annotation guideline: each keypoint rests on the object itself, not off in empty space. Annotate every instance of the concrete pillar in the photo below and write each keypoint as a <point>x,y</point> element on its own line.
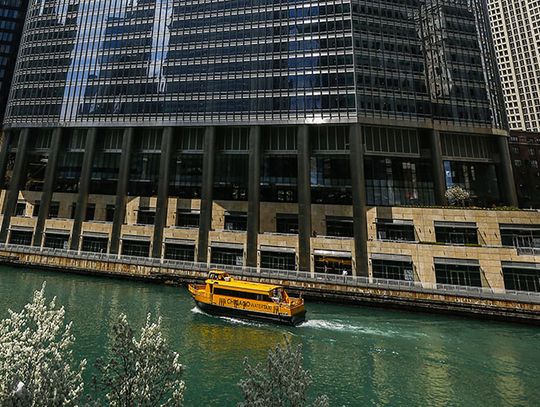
<point>507,184</point>
<point>84,186</point>
<point>163,191</point>
<point>439,181</point>
<point>4,153</point>
<point>304,199</point>
<point>359,201</point>
<point>48,186</point>
<point>205,222</point>
<point>121,190</point>
<point>15,184</point>
<point>254,189</point>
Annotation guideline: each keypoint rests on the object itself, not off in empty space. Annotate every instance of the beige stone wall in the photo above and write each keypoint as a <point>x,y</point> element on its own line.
<point>489,253</point>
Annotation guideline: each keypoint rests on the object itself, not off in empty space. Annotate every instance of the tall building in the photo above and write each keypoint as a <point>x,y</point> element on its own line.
<point>255,133</point>
<point>516,32</point>
<point>525,153</point>
<point>12,13</point>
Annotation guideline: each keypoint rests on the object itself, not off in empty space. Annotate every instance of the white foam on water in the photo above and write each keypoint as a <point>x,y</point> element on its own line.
<point>236,321</point>
<point>197,310</point>
<point>344,327</point>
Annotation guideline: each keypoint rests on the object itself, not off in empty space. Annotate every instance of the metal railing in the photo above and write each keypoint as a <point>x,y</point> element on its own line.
<point>167,266</point>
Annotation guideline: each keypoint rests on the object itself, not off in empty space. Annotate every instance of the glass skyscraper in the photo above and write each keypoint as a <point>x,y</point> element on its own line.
<point>12,14</point>
<point>248,116</point>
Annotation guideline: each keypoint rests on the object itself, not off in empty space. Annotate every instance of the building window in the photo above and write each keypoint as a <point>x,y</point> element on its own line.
<point>90,212</point>
<point>187,218</point>
<point>392,269</point>
<point>54,208</point>
<point>94,244</point>
<point>35,209</point>
<point>395,230</point>
<point>520,235</point>
<point>333,264</point>
<point>279,178</point>
<point>278,260</point>
<point>227,256</point>
<point>286,223</point>
<point>331,180</point>
<point>56,241</point>
<point>479,179</point>
<point>20,237</point>
<point>138,248</point>
<point>456,233</point>
<point>20,209</point>
<point>236,221</point>
<point>109,213</point>
<point>146,216</point>
<point>464,274</point>
<point>521,278</point>
<point>339,226</point>
<point>181,252</point>
<point>398,181</point>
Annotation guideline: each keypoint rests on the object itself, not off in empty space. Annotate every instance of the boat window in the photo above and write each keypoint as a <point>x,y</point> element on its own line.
<point>241,294</point>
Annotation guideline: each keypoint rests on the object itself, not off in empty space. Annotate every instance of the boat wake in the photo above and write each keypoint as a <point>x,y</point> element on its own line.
<point>344,327</point>
<point>231,320</point>
<point>197,310</point>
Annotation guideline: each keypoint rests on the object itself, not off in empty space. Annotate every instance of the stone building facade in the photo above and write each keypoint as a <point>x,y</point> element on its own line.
<point>265,135</point>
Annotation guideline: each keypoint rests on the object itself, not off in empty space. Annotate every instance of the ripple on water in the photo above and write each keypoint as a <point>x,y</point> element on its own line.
<point>338,325</point>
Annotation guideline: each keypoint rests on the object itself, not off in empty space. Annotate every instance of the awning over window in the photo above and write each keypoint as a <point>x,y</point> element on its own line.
<point>21,228</point>
<point>225,245</point>
<point>185,242</point>
<point>277,249</point>
<point>140,238</point>
<point>406,222</point>
<point>58,232</point>
<point>392,257</point>
<point>95,234</point>
<point>445,224</point>
<point>520,265</point>
<point>515,226</point>
<point>456,262</point>
<point>332,253</point>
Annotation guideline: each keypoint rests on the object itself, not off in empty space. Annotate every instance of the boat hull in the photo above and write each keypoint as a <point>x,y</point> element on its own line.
<point>247,314</point>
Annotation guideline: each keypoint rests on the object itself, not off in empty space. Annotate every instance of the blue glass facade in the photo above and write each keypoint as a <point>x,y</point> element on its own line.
<point>12,14</point>
<point>97,62</point>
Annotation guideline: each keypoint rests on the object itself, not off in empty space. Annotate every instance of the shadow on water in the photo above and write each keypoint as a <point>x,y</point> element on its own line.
<point>357,355</point>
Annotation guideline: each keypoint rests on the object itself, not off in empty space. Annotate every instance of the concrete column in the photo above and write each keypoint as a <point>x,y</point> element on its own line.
<point>254,189</point>
<point>4,154</point>
<point>163,191</point>
<point>439,181</point>
<point>359,201</point>
<point>205,222</point>
<point>507,184</point>
<point>121,190</point>
<point>84,186</point>
<point>48,186</point>
<point>304,199</point>
<point>15,184</point>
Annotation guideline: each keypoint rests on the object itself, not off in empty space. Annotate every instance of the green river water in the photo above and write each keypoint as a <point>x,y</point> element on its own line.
<point>358,356</point>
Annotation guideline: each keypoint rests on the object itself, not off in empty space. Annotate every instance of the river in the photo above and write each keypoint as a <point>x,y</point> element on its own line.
<point>358,356</point>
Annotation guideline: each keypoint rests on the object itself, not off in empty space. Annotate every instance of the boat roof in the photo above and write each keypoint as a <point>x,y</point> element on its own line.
<point>244,285</point>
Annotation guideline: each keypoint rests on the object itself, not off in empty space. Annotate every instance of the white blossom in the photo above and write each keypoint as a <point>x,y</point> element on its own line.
<point>36,359</point>
<point>140,372</point>
<point>281,382</point>
<point>457,195</point>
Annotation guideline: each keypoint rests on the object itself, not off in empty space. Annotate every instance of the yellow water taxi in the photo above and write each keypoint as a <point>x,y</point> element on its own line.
<point>223,295</point>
